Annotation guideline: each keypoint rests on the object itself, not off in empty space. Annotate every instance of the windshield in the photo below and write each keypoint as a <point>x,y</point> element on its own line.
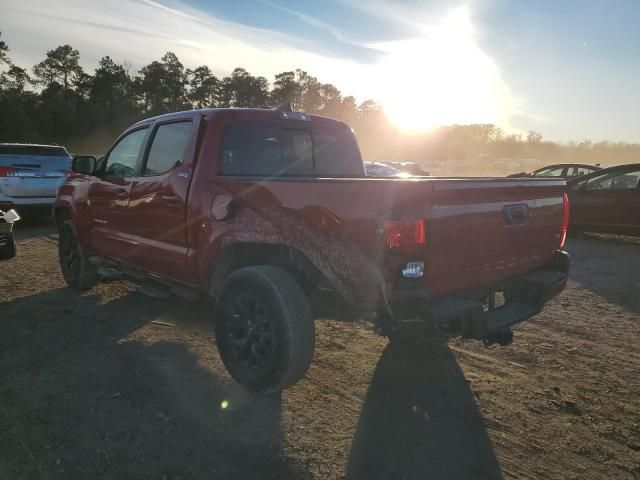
<point>550,172</point>
<point>381,170</point>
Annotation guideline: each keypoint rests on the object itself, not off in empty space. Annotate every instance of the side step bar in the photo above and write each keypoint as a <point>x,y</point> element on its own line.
<point>110,273</point>
<point>153,292</point>
<point>150,285</point>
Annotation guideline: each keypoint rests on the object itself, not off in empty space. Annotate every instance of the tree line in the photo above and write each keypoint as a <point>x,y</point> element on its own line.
<point>57,101</point>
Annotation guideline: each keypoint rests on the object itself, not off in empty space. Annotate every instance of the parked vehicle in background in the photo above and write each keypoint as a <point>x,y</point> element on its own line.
<point>378,169</point>
<point>607,200</point>
<point>562,170</point>
<point>7,242</point>
<point>259,207</point>
<point>30,175</point>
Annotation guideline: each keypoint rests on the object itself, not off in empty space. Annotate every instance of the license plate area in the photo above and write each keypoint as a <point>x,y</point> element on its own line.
<point>31,186</point>
<point>495,300</point>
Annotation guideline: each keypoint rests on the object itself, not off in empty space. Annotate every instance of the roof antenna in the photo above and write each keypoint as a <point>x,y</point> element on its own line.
<point>285,107</point>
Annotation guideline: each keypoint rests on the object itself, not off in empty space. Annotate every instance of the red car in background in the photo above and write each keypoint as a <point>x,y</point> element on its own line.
<point>607,200</point>
<point>567,171</point>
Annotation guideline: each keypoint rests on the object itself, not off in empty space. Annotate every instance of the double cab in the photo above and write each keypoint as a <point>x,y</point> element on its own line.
<point>259,208</point>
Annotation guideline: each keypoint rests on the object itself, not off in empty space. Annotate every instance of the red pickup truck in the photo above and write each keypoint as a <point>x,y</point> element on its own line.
<point>257,208</point>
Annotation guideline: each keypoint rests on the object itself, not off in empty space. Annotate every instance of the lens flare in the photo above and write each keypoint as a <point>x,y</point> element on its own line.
<point>442,77</point>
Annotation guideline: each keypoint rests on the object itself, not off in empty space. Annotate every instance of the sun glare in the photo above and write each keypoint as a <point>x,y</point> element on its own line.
<point>441,78</point>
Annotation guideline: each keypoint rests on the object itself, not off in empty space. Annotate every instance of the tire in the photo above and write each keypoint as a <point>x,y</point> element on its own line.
<point>264,328</point>
<point>78,273</point>
<point>8,251</point>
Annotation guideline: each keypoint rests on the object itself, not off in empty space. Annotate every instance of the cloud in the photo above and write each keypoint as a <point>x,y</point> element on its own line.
<point>142,30</point>
<point>438,68</point>
<point>311,21</point>
<point>337,40</point>
<point>411,16</point>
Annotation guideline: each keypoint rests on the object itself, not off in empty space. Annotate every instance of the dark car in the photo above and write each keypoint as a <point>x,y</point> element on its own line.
<point>562,170</point>
<point>607,200</point>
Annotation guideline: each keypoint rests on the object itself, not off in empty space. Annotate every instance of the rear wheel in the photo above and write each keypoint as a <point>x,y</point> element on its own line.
<point>74,262</point>
<point>264,328</point>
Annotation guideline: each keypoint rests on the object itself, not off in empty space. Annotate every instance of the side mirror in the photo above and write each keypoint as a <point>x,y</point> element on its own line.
<point>84,164</point>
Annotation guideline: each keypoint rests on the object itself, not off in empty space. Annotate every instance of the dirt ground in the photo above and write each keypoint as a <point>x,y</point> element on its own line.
<point>92,387</point>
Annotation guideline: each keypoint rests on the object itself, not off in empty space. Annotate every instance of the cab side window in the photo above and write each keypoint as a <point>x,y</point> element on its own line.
<point>123,158</point>
<point>168,147</point>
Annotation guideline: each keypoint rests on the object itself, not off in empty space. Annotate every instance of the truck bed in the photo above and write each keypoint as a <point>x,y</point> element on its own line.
<point>471,237</point>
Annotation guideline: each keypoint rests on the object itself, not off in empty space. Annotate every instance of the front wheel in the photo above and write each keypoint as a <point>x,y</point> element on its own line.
<point>264,328</point>
<point>8,249</point>
<point>78,273</point>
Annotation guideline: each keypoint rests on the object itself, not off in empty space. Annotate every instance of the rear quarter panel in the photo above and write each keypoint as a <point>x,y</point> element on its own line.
<point>333,222</point>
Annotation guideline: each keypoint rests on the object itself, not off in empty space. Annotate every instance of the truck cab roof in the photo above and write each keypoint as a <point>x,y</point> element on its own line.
<point>267,113</point>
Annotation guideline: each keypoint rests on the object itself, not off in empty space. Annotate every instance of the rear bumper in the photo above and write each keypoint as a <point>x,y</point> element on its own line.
<point>473,314</point>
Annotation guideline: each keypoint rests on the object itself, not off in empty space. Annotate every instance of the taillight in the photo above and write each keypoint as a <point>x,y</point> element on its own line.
<point>419,232</point>
<point>565,219</point>
<point>401,234</point>
<point>7,171</point>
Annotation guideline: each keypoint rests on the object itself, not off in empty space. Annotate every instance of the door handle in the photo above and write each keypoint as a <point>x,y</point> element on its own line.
<point>170,200</point>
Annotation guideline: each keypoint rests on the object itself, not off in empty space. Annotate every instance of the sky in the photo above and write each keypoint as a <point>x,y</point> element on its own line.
<point>568,69</point>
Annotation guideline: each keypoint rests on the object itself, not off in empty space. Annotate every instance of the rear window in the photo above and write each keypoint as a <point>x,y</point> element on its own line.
<point>265,148</point>
<point>33,150</point>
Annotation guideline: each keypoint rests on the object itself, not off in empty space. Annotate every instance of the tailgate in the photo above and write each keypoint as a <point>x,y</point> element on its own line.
<point>484,231</point>
<point>32,175</point>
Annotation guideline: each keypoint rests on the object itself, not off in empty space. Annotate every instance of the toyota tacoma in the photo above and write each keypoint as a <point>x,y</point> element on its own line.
<point>258,208</point>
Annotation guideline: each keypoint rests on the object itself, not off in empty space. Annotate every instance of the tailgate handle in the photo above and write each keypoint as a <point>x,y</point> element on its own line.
<point>515,214</point>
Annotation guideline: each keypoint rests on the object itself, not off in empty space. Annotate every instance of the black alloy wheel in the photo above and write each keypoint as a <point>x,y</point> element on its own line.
<point>250,332</point>
<point>264,328</point>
